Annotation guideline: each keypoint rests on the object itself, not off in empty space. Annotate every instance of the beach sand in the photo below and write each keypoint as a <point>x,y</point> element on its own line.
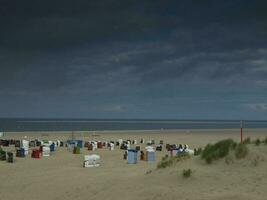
<point>61,176</point>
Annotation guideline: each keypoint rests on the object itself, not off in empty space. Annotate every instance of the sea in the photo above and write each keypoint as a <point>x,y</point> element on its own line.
<point>22,125</point>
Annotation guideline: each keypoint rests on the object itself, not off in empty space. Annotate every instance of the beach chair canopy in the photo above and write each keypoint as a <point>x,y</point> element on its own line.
<point>91,160</point>
<point>150,149</point>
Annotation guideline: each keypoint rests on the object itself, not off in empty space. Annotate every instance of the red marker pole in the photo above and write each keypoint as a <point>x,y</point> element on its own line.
<point>241,131</point>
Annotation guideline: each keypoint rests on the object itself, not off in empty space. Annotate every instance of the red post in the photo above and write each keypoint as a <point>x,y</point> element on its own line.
<point>241,132</point>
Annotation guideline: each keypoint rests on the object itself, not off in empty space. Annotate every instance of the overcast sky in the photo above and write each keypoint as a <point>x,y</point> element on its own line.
<point>168,59</point>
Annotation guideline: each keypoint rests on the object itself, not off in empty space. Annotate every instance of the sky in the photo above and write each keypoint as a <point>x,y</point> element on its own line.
<point>160,59</point>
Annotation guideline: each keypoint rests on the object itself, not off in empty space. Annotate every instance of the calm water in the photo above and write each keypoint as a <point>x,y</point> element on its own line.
<point>89,125</point>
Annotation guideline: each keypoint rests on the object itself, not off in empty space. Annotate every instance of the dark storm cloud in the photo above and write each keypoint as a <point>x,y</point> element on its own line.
<point>42,25</point>
<point>124,52</point>
<point>49,24</point>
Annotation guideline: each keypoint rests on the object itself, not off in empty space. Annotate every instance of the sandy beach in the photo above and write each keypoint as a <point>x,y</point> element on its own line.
<point>61,176</point>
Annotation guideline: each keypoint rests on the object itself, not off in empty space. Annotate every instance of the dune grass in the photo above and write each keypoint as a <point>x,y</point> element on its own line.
<point>241,151</point>
<point>165,162</point>
<point>218,150</point>
<point>247,140</point>
<point>169,161</point>
<point>197,151</point>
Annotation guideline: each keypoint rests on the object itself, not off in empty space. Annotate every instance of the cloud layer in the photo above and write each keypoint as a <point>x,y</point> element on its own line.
<point>160,59</point>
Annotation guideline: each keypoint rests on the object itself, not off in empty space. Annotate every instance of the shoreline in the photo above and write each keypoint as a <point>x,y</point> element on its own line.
<point>140,130</point>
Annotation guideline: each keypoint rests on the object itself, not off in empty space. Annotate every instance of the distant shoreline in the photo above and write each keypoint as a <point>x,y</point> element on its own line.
<point>139,131</point>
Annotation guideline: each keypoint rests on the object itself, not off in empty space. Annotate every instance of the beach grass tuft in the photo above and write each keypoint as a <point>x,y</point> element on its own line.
<point>257,142</point>
<point>218,150</point>
<point>187,173</point>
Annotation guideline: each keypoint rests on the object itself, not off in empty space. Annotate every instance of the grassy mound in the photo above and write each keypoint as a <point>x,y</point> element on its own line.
<point>218,150</point>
